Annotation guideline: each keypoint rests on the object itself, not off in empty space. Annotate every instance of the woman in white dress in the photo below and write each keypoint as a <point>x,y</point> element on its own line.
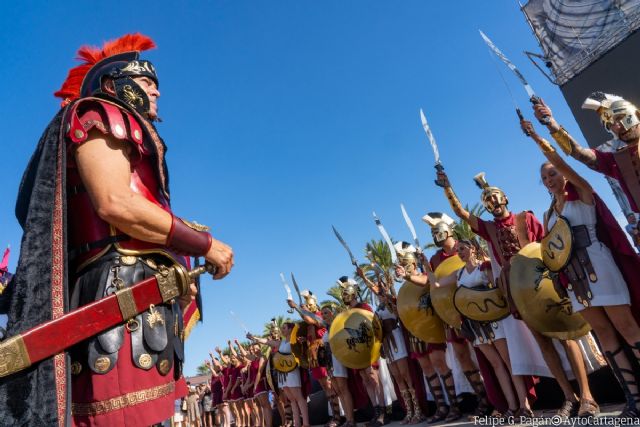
<point>339,373</point>
<point>603,297</point>
<point>290,383</point>
<point>474,274</point>
<point>396,355</point>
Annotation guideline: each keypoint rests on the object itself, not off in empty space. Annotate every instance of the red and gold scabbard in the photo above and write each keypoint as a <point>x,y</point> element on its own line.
<point>50,338</point>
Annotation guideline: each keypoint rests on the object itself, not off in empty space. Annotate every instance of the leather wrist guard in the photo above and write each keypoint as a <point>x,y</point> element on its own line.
<point>561,136</point>
<point>453,199</point>
<point>545,146</point>
<point>188,238</point>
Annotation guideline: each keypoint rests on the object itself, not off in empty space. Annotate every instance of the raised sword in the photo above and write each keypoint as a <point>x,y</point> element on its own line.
<point>535,99</point>
<point>387,239</point>
<point>344,244</point>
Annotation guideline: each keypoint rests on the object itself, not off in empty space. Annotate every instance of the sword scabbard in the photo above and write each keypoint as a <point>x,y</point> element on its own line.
<point>55,336</point>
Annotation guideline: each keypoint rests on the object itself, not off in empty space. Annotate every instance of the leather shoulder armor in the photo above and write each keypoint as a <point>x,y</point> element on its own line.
<point>109,118</point>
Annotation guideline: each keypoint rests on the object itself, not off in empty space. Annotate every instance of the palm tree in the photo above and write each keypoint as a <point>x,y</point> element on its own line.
<point>334,292</point>
<point>202,369</point>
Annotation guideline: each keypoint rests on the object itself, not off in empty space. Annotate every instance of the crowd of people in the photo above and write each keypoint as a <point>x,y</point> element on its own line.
<point>497,358</point>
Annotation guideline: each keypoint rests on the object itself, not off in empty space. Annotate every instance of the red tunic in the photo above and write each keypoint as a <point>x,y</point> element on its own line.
<point>607,164</point>
<point>440,256</point>
<point>261,386</point>
<point>314,334</point>
<point>506,234</point>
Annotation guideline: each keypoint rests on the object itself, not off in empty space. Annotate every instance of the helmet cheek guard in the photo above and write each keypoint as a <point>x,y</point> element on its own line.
<point>440,233</point>
<point>493,197</point>
<point>131,93</point>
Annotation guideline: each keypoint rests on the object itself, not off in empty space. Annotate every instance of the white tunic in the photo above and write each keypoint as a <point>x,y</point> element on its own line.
<point>337,368</point>
<point>609,287</point>
<point>289,379</point>
<point>400,352</point>
<point>476,278</point>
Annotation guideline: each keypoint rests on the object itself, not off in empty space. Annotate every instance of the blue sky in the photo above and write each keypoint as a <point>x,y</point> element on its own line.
<point>285,117</point>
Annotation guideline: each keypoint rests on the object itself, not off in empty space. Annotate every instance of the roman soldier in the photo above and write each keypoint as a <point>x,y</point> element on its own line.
<point>443,235</point>
<point>442,231</point>
<point>620,118</point>
<point>506,234</point>
<point>315,331</point>
<point>430,352</point>
<point>95,208</point>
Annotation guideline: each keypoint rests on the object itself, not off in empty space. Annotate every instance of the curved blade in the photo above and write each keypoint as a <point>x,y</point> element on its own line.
<point>286,287</point>
<point>344,244</point>
<point>295,285</point>
<point>509,64</point>
<point>432,140</point>
<point>387,239</point>
<point>410,225</point>
<point>237,319</point>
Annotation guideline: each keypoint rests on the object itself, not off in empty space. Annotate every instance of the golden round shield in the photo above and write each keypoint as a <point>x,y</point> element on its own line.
<point>536,299</point>
<point>557,245</point>
<point>284,362</point>
<point>300,349</point>
<point>417,314</point>
<point>482,305</point>
<point>442,297</point>
<point>355,338</point>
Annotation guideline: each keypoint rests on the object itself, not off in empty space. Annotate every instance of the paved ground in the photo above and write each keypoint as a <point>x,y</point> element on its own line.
<point>545,418</point>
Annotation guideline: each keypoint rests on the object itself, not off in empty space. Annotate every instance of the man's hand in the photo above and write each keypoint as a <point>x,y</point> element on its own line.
<point>221,256</point>
<point>541,110</point>
<point>218,350</point>
<point>291,303</point>
<point>359,271</point>
<point>442,180</point>
<point>250,336</point>
<point>400,271</point>
<point>528,129</point>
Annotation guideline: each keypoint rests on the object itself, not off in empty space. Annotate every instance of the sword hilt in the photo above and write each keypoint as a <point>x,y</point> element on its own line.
<point>521,117</point>
<point>439,168</point>
<point>545,120</point>
<point>206,268</point>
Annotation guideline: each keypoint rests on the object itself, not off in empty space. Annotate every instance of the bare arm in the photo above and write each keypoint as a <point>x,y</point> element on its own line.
<point>584,188</point>
<point>456,206</point>
<point>259,374</point>
<point>568,144</point>
<point>368,283</point>
<point>103,156</point>
<point>241,349</point>
<point>306,315</point>
<point>264,341</point>
<point>418,279</point>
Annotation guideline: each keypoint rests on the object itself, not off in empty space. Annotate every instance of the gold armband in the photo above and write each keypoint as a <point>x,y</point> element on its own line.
<point>545,146</point>
<point>453,199</point>
<point>561,136</point>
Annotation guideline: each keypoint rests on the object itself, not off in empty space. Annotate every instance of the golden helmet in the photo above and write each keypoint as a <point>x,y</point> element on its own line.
<point>350,289</point>
<point>441,226</point>
<point>612,108</point>
<point>488,192</point>
<point>407,253</point>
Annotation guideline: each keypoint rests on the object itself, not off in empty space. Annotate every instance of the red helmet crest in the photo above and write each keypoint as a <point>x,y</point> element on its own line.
<point>91,55</point>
